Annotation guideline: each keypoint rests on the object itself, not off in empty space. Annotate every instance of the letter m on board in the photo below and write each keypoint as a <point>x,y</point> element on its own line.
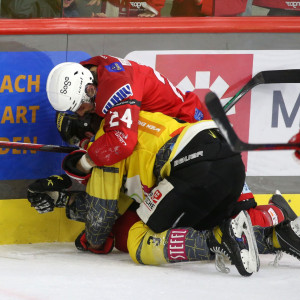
<point>278,104</point>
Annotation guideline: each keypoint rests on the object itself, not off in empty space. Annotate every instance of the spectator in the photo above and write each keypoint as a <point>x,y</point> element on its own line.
<point>184,8</point>
<point>70,9</point>
<point>248,10</point>
<point>118,8</point>
<point>20,9</point>
<point>200,8</point>
<point>279,7</point>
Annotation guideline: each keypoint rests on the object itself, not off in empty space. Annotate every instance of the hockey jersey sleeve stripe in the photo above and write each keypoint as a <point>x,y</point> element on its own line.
<point>109,169</point>
<point>178,131</point>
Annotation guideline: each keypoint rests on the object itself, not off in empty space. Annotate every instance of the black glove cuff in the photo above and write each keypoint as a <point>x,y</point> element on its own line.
<point>51,183</point>
<point>70,162</point>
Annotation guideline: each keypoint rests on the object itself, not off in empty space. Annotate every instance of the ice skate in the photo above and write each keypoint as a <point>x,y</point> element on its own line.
<point>235,239</point>
<point>278,200</point>
<point>286,238</point>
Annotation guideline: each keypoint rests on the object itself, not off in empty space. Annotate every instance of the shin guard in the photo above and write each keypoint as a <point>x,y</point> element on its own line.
<point>173,245</point>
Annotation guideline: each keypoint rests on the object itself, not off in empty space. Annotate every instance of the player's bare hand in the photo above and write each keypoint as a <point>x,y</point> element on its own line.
<point>147,14</point>
<point>99,15</point>
<point>94,2</point>
<point>67,3</point>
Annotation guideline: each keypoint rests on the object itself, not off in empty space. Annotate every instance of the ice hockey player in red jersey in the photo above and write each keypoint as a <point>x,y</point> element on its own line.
<point>125,8</point>
<point>38,191</point>
<point>73,129</point>
<point>279,7</point>
<point>110,85</point>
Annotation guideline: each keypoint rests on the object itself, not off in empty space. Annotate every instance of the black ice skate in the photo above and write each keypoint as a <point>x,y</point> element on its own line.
<point>235,239</point>
<point>286,237</point>
<point>278,200</point>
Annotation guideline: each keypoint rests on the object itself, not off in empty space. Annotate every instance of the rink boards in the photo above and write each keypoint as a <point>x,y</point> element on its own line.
<point>196,54</point>
<point>21,224</point>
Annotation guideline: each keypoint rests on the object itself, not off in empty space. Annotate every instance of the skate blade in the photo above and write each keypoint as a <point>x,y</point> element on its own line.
<point>242,225</point>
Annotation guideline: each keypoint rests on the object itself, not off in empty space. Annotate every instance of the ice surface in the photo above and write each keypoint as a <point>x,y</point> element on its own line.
<point>59,271</point>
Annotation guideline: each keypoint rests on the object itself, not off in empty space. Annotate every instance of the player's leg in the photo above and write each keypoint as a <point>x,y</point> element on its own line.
<point>233,238</point>
<point>278,200</point>
<point>236,238</point>
<point>215,200</point>
<point>173,245</point>
<point>276,211</point>
<point>121,228</point>
<point>215,180</point>
<point>273,213</point>
<point>283,237</point>
<point>202,188</point>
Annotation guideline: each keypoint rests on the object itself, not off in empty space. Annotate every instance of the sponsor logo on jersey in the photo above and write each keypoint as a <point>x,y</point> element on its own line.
<point>273,216</point>
<point>149,204</point>
<point>150,127</point>
<point>293,4</point>
<point>153,198</point>
<point>122,93</point>
<point>121,137</point>
<point>198,115</point>
<point>187,158</point>
<point>137,5</point>
<point>176,244</point>
<point>115,67</point>
<point>156,196</point>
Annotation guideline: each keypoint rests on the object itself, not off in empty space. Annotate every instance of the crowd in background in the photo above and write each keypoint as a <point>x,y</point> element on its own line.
<point>146,8</point>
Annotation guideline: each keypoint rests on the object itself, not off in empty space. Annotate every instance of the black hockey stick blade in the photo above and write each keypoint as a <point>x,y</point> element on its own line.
<point>37,147</point>
<point>264,77</point>
<point>218,115</point>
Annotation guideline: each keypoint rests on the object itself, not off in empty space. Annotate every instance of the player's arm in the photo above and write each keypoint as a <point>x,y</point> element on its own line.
<point>47,193</point>
<point>114,142</point>
<point>153,8</point>
<point>120,134</point>
<point>102,198</point>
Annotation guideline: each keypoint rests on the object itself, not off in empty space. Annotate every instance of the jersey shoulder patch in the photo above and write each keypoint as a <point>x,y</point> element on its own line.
<point>114,67</point>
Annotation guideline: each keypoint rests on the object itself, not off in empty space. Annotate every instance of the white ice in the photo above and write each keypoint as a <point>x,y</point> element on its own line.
<point>59,271</point>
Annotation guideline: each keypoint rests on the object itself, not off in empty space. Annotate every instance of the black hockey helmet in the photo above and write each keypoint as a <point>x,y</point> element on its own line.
<point>73,128</point>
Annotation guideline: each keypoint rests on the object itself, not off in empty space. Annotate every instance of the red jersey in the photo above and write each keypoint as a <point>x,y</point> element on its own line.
<point>124,88</point>
<point>281,4</point>
<point>134,8</point>
<point>194,8</point>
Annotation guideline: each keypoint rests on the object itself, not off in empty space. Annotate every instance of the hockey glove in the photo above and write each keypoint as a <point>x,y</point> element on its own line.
<point>45,194</point>
<point>82,244</point>
<point>69,165</point>
<point>84,143</point>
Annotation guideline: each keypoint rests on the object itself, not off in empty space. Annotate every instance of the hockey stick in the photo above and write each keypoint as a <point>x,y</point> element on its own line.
<point>264,77</point>
<point>218,115</point>
<point>37,147</point>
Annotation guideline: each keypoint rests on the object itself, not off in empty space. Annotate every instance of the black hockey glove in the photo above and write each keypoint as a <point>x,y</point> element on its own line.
<point>69,165</point>
<point>47,193</point>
